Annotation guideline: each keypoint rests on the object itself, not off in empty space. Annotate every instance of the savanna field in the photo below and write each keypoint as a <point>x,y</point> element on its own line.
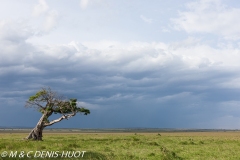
<point>124,146</point>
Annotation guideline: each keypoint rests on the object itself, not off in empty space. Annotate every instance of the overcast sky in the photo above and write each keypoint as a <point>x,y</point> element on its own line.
<point>133,63</point>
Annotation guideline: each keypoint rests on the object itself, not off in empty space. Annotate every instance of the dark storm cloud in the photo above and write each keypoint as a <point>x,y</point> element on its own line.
<point>136,85</point>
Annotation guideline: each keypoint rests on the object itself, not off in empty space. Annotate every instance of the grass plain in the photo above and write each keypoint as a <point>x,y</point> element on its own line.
<point>127,146</point>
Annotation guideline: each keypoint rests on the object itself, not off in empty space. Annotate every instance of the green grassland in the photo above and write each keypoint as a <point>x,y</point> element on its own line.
<point>124,146</point>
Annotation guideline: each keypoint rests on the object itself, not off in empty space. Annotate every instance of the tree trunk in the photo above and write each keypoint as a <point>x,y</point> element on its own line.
<point>36,133</point>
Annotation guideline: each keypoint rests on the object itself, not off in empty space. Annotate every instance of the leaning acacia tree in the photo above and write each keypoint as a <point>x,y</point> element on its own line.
<point>48,102</point>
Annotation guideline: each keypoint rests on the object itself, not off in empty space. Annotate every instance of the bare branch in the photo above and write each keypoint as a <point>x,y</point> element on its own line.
<point>31,104</point>
<point>59,119</point>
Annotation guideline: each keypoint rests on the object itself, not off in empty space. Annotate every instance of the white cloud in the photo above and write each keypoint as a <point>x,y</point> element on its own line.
<point>84,4</point>
<point>50,20</point>
<point>145,19</point>
<point>210,16</point>
<point>113,56</point>
<point>46,18</point>
<point>93,3</point>
<point>189,53</point>
<point>165,30</point>
<point>14,31</point>
<point>40,8</point>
